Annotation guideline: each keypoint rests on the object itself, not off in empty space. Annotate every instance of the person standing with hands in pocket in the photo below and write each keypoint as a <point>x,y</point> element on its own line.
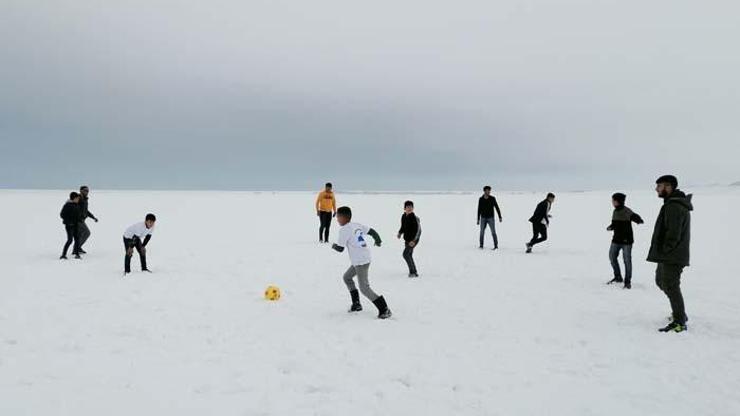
<point>326,209</point>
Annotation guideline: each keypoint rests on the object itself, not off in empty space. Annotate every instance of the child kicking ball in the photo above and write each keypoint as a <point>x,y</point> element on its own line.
<point>353,237</point>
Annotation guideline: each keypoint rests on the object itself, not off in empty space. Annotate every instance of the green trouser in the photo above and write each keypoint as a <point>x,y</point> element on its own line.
<point>668,279</point>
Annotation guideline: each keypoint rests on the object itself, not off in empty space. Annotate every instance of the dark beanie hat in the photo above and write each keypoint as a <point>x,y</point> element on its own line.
<point>668,179</point>
<point>619,197</point>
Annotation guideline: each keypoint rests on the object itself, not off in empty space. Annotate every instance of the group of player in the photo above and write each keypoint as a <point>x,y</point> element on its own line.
<point>75,213</point>
<point>669,246</point>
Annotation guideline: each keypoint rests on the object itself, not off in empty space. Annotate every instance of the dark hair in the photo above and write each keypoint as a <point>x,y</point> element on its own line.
<point>344,212</point>
<point>329,185</point>
<point>550,195</point>
<point>73,195</point>
<point>150,217</point>
<point>408,204</point>
<point>84,187</point>
<point>619,197</point>
<point>486,188</point>
<point>669,179</point>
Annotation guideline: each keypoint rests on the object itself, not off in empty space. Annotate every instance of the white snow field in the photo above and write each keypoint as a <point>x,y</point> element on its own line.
<point>480,333</point>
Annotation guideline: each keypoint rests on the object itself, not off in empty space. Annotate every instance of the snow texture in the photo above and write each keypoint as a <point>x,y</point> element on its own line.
<point>480,333</point>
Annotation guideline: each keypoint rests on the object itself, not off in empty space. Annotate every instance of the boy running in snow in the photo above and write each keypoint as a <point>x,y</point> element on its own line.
<point>540,221</point>
<point>622,220</point>
<point>71,215</point>
<point>138,236</point>
<point>411,232</point>
<point>353,237</point>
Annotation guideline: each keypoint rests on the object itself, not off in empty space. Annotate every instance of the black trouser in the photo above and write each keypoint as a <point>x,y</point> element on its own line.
<point>539,233</point>
<point>130,243</point>
<point>325,219</point>
<point>668,279</point>
<point>84,233</point>
<point>408,255</point>
<point>72,235</point>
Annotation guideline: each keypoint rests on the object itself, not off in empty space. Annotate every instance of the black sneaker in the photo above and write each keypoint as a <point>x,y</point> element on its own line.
<point>62,257</point>
<point>495,248</point>
<point>83,251</point>
<point>412,275</point>
<point>146,270</point>
<point>529,248</point>
<point>627,285</point>
<point>674,327</point>
<point>615,280</point>
<point>77,256</point>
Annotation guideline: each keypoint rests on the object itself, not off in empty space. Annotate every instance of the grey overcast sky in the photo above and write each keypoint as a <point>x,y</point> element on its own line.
<point>382,94</point>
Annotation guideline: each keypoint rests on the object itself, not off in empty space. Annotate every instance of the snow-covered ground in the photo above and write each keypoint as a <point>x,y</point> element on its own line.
<point>481,333</point>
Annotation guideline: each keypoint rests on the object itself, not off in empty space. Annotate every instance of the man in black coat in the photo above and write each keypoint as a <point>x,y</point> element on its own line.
<point>622,219</point>
<point>670,246</point>
<point>84,232</point>
<point>410,231</point>
<point>71,215</point>
<point>487,208</point>
<point>540,221</point>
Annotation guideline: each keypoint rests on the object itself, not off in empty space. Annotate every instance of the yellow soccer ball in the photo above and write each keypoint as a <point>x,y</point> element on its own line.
<point>272,293</point>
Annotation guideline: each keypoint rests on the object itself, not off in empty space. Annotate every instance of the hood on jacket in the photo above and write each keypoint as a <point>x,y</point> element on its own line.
<point>678,197</point>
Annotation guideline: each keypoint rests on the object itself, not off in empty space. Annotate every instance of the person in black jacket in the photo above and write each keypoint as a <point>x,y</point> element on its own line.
<point>540,221</point>
<point>71,215</point>
<point>83,230</point>
<point>670,247</point>
<point>411,232</point>
<point>622,219</point>
<point>487,207</point>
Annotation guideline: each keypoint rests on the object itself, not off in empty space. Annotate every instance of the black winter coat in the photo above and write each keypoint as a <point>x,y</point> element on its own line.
<point>410,227</point>
<point>71,213</point>
<point>84,212</point>
<point>672,234</point>
<point>540,213</point>
<point>487,207</point>
<point>622,220</point>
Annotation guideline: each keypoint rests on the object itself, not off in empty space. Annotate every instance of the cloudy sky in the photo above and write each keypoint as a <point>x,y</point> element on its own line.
<point>272,94</point>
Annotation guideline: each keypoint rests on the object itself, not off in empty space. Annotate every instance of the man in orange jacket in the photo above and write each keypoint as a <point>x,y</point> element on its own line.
<point>326,208</point>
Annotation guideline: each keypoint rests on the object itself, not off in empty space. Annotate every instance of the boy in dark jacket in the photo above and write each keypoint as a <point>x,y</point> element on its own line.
<point>670,246</point>
<point>487,208</point>
<point>71,217</point>
<point>540,221</point>
<point>622,219</point>
<point>411,232</point>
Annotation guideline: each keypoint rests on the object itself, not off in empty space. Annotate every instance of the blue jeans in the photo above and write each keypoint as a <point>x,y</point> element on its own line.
<point>486,222</point>
<point>626,250</point>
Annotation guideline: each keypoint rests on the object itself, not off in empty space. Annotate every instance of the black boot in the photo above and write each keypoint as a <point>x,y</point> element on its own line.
<point>615,280</point>
<point>383,311</point>
<point>356,306</point>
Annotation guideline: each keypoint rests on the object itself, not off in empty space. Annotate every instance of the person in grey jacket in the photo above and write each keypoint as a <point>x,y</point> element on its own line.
<point>670,247</point>
<point>82,229</point>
